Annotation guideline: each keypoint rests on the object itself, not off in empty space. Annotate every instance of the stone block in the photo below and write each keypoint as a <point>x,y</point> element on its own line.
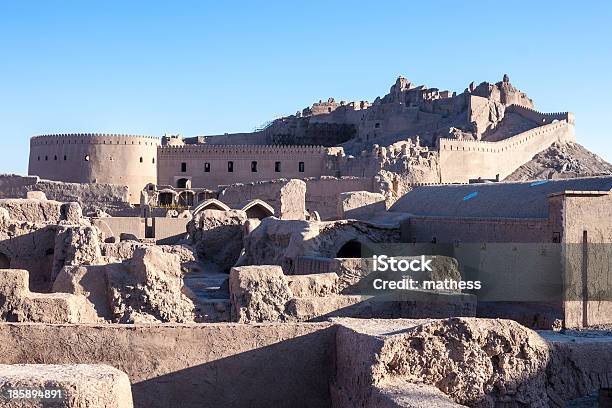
<point>293,200</point>
<point>76,385</point>
<point>258,293</point>
<point>320,284</point>
<point>360,205</point>
<point>304,309</point>
<point>36,195</point>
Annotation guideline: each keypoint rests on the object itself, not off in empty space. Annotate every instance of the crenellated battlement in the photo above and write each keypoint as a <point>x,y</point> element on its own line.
<point>92,135</point>
<point>540,117</point>
<point>128,160</point>
<point>93,138</point>
<point>167,151</point>
<point>502,145</point>
<point>461,160</point>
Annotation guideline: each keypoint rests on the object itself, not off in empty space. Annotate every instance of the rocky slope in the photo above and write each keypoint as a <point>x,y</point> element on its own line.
<point>562,160</point>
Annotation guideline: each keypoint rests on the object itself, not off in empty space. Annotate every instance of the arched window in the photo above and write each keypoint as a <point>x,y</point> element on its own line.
<point>254,167</point>
<point>65,158</point>
<point>301,167</point>
<point>141,159</point>
<point>86,157</point>
<point>206,167</point>
<point>230,166</point>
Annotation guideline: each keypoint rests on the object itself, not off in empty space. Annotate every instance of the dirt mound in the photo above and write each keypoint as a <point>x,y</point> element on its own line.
<point>562,160</point>
<point>477,362</point>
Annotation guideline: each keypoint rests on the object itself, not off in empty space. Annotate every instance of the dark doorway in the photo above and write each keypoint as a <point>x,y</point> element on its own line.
<point>258,211</point>
<point>351,249</point>
<point>165,199</point>
<point>185,199</point>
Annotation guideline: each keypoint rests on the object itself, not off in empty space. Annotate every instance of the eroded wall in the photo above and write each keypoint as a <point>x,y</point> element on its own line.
<point>205,365</point>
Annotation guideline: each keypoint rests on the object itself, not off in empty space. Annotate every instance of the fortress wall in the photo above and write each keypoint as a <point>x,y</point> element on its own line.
<point>540,117</point>
<point>96,158</point>
<point>171,159</point>
<point>462,160</point>
<point>255,138</point>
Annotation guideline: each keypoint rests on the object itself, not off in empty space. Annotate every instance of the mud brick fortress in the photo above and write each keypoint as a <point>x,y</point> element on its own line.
<point>236,269</point>
<point>412,135</point>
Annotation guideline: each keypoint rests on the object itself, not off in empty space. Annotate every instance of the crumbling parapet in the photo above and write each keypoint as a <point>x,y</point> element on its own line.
<point>263,293</point>
<point>476,362</point>
<point>148,287</point>
<point>42,210</point>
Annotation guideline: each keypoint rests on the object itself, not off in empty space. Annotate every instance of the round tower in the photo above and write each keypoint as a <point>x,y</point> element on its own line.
<point>96,158</point>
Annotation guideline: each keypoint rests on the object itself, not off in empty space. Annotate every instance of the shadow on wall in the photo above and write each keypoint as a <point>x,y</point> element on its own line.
<point>264,377</point>
<point>33,251</point>
<point>5,262</point>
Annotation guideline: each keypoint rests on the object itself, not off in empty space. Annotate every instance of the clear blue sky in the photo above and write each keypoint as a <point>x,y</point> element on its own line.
<point>211,67</point>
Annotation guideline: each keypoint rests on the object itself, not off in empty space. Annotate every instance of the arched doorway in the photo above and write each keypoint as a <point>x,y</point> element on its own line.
<point>350,249</point>
<point>165,198</point>
<point>210,204</point>
<point>183,183</point>
<point>258,209</point>
<point>185,199</point>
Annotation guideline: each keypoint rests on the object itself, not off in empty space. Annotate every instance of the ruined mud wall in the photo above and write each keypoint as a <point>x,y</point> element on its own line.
<point>96,158</point>
<point>323,193</point>
<point>110,197</point>
<point>206,365</point>
<point>462,160</point>
<point>280,194</point>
